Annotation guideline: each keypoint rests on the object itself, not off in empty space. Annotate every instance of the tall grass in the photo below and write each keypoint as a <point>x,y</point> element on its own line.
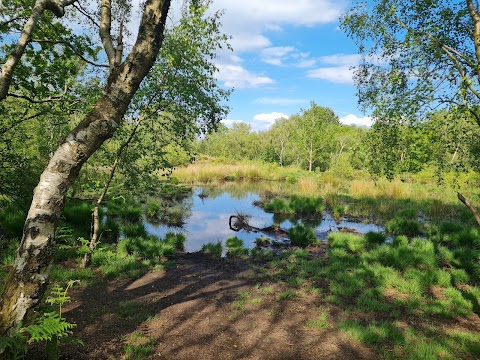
<point>207,173</point>
<point>134,256</point>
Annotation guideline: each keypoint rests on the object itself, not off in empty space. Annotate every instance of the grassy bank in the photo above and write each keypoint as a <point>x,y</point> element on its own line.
<point>415,296</point>
<point>356,195</point>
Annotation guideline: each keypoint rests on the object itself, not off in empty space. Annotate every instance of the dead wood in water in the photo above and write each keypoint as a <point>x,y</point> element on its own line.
<point>239,222</point>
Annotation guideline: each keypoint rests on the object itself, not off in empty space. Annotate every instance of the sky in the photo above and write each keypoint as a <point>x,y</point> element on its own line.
<point>287,54</point>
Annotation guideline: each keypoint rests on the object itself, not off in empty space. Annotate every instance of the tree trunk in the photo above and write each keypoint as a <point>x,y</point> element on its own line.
<point>310,157</point>
<point>26,283</point>
<point>470,207</point>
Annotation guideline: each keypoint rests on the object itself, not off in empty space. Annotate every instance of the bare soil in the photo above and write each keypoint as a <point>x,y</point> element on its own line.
<point>203,308</point>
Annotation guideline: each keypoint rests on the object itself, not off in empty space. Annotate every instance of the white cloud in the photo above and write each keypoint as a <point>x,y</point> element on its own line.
<point>341,59</point>
<point>342,73</point>
<point>263,122</point>
<point>351,119</point>
<point>237,76</point>
<point>277,51</point>
<point>287,56</point>
<point>247,20</point>
<point>277,55</point>
<point>269,118</point>
<point>229,123</point>
<point>279,101</point>
<point>339,74</point>
<point>306,63</point>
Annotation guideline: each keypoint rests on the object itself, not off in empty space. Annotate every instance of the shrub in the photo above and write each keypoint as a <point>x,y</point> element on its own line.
<point>213,249</point>
<point>302,236</point>
<point>145,247</point>
<point>400,240</point>
<point>374,238</point>
<point>152,210</point>
<point>133,229</point>
<point>402,226</point>
<point>235,247</point>
<point>176,240</point>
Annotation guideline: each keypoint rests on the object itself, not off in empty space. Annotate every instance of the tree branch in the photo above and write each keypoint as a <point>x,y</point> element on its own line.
<point>470,207</point>
<point>476,33</point>
<point>57,8</point>
<point>119,50</point>
<point>34,101</point>
<point>105,31</point>
<point>453,55</point>
<point>25,118</point>
<point>86,14</point>
<point>66,43</point>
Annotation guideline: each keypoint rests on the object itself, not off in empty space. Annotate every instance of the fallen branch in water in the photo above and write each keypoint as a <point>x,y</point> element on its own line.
<point>239,222</point>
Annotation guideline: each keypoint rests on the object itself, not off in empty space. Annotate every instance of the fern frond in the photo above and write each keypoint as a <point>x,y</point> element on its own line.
<point>47,327</point>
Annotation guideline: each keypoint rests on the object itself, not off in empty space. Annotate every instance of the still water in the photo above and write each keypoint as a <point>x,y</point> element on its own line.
<point>208,212</point>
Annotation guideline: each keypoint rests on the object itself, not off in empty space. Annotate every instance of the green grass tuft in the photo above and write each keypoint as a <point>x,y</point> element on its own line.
<point>215,249</point>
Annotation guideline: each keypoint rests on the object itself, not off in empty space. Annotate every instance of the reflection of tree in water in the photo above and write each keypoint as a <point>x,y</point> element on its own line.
<point>173,212</point>
<point>242,189</point>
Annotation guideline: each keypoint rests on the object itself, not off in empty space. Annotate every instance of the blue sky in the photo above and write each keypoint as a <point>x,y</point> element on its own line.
<point>286,54</point>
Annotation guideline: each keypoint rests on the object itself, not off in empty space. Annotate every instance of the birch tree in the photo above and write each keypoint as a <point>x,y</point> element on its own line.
<point>27,281</point>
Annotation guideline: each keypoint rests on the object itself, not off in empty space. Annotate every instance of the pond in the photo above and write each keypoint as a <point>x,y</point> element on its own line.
<point>209,209</point>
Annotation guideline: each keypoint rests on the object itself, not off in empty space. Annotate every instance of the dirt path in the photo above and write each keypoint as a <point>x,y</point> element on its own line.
<point>201,308</point>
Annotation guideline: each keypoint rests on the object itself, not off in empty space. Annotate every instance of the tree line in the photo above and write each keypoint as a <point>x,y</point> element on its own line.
<point>315,140</point>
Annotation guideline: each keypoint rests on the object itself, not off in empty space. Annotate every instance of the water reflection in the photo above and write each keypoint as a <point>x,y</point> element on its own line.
<point>210,209</point>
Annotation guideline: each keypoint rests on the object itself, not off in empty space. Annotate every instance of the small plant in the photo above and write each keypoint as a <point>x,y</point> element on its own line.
<point>176,239</point>
<point>152,210</point>
<point>302,236</point>
<point>400,241</point>
<point>262,241</point>
<point>138,346</point>
<point>214,249</point>
<point>295,205</point>
<point>132,214</point>
<point>146,247</point>
<point>235,248</point>
<point>320,323</point>
<point>287,294</point>
<point>134,230</point>
<point>374,238</point>
<point>402,226</point>
<point>51,327</point>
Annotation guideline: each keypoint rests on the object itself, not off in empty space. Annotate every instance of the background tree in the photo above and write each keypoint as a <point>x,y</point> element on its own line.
<point>313,135</point>
<point>280,138</point>
<point>417,55</point>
